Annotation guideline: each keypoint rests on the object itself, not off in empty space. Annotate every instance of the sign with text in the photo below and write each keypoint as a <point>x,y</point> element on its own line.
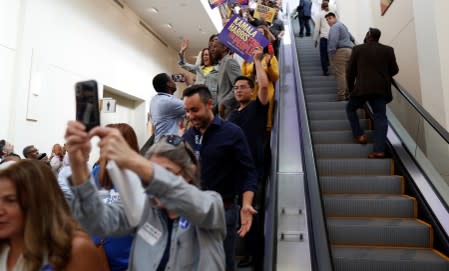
<point>241,2</point>
<point>265,12</point>
<point>242,38</point>
<point>215,3</point>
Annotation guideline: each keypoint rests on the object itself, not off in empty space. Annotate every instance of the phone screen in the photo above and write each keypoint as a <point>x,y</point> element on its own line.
<point>87,106</point>
<point>177,77</point>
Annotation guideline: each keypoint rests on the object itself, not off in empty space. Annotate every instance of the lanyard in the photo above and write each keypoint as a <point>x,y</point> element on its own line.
<point>198,142</point>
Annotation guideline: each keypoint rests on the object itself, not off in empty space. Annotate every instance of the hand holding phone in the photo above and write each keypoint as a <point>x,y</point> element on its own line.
<point>87,106</point>
<point>178,77</point>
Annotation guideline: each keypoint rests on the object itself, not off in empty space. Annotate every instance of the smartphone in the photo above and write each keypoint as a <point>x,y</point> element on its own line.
<point>87,106</point>
<point>177,77</point>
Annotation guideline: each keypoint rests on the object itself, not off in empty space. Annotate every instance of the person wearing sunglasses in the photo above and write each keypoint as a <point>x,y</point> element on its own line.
<point>181,228</point>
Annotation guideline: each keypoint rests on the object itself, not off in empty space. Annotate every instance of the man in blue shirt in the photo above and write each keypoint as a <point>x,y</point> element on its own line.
<point>339,47</point>
<point>166,110</point>
<point>226,163</point>
<point>304,14</point>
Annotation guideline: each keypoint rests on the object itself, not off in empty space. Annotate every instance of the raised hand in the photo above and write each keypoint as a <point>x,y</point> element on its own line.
<point>78,148</point>
<point>184,45</point>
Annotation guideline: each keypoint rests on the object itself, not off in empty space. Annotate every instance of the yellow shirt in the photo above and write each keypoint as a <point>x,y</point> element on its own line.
<point>207,70</point>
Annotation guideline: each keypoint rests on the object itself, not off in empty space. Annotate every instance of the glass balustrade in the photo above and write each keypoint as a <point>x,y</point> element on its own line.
<point>423,140</point>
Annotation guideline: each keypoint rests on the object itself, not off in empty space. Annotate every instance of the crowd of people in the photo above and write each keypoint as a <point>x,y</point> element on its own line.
<point>204,177</point>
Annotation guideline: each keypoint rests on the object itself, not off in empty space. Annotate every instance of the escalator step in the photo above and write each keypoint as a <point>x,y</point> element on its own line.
<point>375,205</point>
<point>320,83</point>
<point>326,106</point>
<point>337,137</point>
<point>362,184</point>
<point>316,72</point>
<point>342,150</point>
<point>387,259</point>
<point>320,90</point>
<point>402,232</point>
<point>317,77</point>
<point>332,97</point>
<point>331,114</point>
<point>335,125</point>
<point>346,166</point>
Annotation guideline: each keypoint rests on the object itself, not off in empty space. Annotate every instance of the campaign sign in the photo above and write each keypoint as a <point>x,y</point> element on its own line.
<point>265,12</point>
<point>241,2</point>
<point>215,3</point>
<point>242,38</point>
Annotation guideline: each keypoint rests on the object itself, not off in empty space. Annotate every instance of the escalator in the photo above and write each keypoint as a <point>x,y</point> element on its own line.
<point>374,219</point>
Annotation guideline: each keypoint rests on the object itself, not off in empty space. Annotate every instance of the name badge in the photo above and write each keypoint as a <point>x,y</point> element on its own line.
<point>149,233</point>
<point>184,223</point>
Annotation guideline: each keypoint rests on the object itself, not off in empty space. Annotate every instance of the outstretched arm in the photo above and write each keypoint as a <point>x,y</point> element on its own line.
<point>261,76</point>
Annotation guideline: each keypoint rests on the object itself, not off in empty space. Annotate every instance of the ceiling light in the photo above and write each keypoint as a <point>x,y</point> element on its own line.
<point>154,10</point>
<point>170,26</point>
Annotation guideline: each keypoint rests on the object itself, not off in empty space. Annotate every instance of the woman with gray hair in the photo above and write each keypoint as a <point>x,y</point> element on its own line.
<point>181,228</point>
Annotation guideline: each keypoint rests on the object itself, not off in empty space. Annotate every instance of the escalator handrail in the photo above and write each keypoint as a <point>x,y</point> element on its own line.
<point>320,250</point>
<point>423,112</point>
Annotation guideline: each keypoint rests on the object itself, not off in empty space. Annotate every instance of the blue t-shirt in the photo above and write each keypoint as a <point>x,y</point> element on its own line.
<point>117,249</point>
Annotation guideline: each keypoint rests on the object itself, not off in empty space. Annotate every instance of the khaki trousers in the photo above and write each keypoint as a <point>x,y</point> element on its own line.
<point>339,62</point>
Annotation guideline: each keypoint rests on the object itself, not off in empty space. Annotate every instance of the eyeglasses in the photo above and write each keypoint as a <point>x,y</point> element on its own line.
<point>241,87</point>
<point>175,140</point>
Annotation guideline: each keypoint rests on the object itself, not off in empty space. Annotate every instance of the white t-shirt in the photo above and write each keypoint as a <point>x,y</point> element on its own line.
<point>20,264</point>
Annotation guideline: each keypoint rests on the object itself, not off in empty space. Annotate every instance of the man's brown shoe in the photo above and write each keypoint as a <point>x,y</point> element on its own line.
<point>362,139</point>
<point>376,155</point>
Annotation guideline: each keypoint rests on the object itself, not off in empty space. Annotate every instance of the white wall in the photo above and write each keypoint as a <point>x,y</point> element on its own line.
<point>9,23</point>
<point>417,31</point>
<point>71,40</point>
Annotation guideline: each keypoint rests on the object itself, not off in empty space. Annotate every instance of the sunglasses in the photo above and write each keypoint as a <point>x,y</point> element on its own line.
<point>175,140</point>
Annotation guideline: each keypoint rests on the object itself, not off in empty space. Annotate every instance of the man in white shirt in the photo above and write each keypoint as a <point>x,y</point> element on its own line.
<point>320,36</point>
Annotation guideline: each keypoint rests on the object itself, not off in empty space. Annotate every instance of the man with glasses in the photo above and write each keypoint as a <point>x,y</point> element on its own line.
<point>226,163</point>
<point>251,116</point>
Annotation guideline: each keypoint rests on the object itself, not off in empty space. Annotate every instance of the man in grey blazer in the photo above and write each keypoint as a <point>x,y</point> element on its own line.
<point>369,75</point>
<point>228,71</point>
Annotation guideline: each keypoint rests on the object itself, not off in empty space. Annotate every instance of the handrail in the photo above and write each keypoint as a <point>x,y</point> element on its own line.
<point>423,112</point>
<point>319,242</point>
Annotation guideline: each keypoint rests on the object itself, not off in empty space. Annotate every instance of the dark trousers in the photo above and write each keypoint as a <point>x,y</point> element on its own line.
<point>379,106</point>
<point>229,243</point>
<point>304,22</point>
<point>323,55</point>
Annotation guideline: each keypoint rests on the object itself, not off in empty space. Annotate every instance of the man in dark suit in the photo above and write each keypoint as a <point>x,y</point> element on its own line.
<point>369,75</point>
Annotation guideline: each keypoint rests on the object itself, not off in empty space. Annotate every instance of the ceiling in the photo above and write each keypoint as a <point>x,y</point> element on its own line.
<point>188,19</point>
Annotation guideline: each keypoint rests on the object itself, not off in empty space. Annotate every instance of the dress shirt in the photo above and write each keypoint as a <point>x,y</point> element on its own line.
<point>339,37</point>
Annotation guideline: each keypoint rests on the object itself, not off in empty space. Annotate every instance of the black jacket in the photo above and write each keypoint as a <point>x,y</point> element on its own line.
<point>370,70</point>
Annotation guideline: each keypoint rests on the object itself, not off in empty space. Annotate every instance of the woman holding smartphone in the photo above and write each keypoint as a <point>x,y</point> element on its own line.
<point>181,228</point>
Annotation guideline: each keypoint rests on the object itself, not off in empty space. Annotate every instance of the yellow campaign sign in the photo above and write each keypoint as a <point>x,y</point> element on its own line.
<point>265,12</point>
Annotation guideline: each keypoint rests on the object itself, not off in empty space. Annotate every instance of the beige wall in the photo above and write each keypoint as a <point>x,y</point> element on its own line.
<point>52,44</point>
<point>417,31</point>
